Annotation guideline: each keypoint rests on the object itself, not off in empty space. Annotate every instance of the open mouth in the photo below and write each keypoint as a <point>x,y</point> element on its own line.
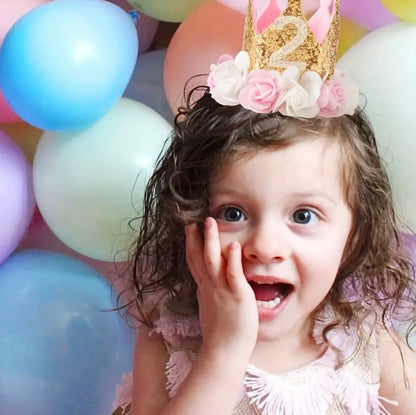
<point>270,295</point>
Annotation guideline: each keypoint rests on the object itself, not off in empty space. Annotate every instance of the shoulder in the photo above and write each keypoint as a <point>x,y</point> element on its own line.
<point>398,373</point>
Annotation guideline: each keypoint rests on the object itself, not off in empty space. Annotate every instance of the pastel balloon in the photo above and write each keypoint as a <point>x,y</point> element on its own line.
<point>383,63</point>
<point>39,236</point>
<point>350,33</point>
<point>146,26</point>
<point>64,64</point>
<point>208,32</point>
<point>9,14</point>
<point>166,10</point>
<point>308,6</point>
<point>146,83</point>
<point>405,9</point>
<point>371,14</point>
<point>25,136</point>
<point>60,345</point>
<point>16,196</point>
<point>89,183</point>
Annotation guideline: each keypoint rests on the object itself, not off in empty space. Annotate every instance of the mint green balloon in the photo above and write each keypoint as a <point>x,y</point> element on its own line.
<point>166,10</point>
<point>89,183</point>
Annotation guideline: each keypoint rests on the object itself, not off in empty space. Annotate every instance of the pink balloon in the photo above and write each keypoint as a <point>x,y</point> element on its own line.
<point>40,236</point>
<point>17,200</point>
<point>241,5</point>
<point>211,30</point>
<point>370,14</point>
<point>10,12</point>
<point>145,25</point>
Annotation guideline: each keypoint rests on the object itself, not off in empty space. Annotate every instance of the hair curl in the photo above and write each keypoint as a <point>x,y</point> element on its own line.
<point>374,268</point>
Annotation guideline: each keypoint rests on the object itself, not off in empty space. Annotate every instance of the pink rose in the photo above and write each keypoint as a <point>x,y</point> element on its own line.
<point>338,96</point>
<point>263,92</point>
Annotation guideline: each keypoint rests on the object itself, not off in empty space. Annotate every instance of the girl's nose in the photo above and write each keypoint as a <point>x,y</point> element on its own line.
<point>266,244</point>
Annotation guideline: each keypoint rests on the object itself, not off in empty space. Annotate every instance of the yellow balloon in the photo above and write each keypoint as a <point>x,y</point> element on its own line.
<point>350,33</point>
<point>404,9</point>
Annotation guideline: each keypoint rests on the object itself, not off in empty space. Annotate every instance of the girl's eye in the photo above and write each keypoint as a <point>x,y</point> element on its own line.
<point>304,217</point>
<point>232,214</point>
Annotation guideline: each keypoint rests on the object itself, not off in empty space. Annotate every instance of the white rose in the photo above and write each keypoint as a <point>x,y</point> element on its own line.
<point>228,78</point>
<point>302,92</point>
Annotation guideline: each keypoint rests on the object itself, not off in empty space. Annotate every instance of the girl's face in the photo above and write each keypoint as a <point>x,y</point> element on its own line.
<point>287,208</point>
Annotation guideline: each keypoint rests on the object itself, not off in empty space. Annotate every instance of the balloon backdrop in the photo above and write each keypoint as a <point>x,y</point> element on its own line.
<point>146,83</point>
<point>405,9</point>
<point>39,236</point>
<point>145,25</point>
<point>370,14</point>
<point>209,31</point>
<point>62,353</point>
<point>16,196</point>
<point>166,10</point>
<point>89,183</point>
<point>383,63</point>
<point>64,64</point>
<point>25,136</point>
<point>9,13</point>
<point>350,33</point>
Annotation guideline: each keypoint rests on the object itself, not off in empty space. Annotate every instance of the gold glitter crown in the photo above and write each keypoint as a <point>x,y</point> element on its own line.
<point>289,41</point>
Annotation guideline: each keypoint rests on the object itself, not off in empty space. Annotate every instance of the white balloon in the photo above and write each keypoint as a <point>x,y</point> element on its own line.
<point>384,65</point>
<point>89,183</point>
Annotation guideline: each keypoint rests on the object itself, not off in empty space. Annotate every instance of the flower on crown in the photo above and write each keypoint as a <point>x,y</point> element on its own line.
<point>305,85</point>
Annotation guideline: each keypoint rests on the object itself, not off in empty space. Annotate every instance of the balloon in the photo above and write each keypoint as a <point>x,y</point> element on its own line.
<point>25,136</point>
<point>383,63</point>
<point>370,14</point>
<point>166,10</point>
<point>146,83</point>
<point>89,182</point>
<point>308,6</point>
<point>350,33</point>
<point>145,25</point>
<point>208,32</point>
<point>62,353</point>
<point>9,13</point>
<point>16,196</point>
<point>405,9</point>
<point>63,65</point>
<point>39,236</point>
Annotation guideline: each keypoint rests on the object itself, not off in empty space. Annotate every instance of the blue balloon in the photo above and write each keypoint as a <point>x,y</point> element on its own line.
<point>64,64</point>
<point>61,352</point>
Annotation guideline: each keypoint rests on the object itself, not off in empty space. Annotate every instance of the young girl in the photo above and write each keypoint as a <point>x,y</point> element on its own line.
<point>269,275</point>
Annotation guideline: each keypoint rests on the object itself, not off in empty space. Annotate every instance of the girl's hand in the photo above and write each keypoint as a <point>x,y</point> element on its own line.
<point>227,305</point>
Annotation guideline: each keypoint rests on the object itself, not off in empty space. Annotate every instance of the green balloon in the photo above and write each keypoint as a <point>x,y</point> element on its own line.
<point>89,183</point>
<point>166,10</point>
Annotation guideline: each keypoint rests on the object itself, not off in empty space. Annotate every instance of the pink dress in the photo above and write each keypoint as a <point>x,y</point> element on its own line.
<point>322,387</point>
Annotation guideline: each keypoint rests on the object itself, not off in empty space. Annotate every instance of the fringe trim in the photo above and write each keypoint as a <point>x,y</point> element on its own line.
<point>170,327</point>
<point>124,393</point>
<point>310,391</point>
<point>177,369</point>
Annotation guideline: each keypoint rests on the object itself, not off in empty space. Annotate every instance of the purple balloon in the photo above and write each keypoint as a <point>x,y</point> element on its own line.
<point>17,201</point>
<point>370,14</point>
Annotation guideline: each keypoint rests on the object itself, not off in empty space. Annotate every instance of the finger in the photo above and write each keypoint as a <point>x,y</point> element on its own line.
<point>214,262</point>
<point>235,273</point>
<point>195,252</point>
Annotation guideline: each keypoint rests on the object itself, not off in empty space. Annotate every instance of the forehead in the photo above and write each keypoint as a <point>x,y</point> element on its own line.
<point>309,163</point>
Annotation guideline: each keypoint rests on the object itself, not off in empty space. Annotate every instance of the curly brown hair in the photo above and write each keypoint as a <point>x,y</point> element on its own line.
<point>206,135</point>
